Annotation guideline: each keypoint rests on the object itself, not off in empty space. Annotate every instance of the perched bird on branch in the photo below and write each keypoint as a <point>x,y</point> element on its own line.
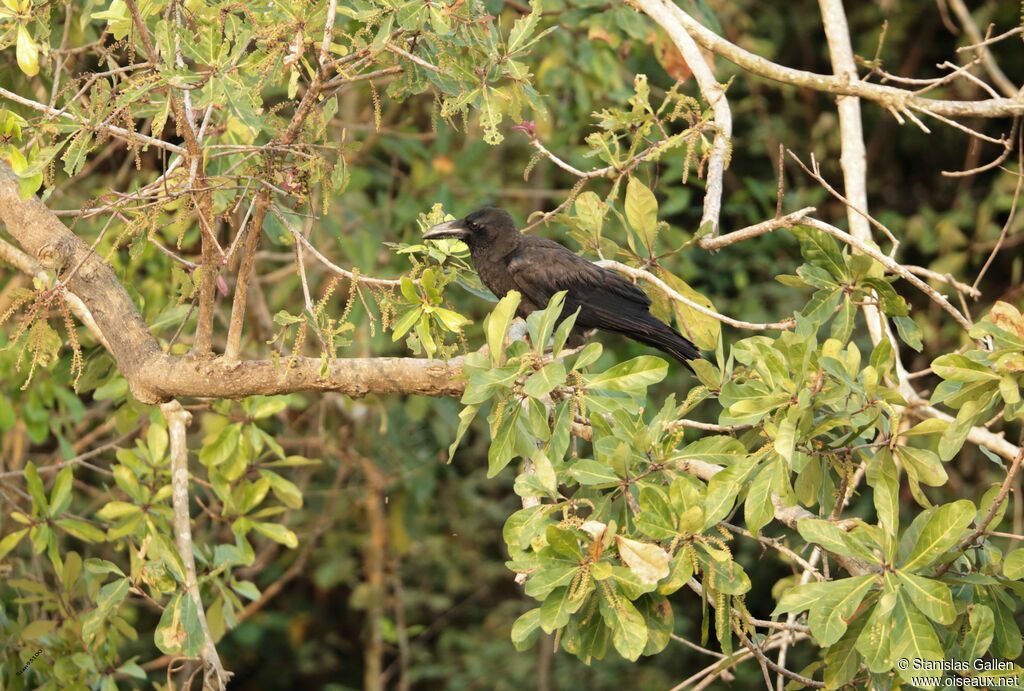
<point>538,268</point>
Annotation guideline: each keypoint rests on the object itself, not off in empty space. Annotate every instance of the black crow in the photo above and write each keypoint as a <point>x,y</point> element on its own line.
<point>538,268</point>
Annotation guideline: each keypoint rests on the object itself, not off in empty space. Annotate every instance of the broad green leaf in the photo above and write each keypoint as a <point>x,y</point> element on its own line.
<point>884,480</point>
<point>81,529</point>
<point>405,323</point>
<point>821,250</point>
<point>1013,565</point>
<point>642,212</point>
<point>502,448</point>
<point>956,434</point>
<point>541,323</point>
<point>27,52</point>
<point>553,574</point>
<point>649,562</point>
<point>944,528</point>
<point>545,380</point>
<point>11,540</point>
<point>629,631</point>
<point>723,489</point>
<point>979,637</point>
<point>35,488</point>
<point>631,376</point>
<point>278,533</point>
<point>923,464</point>
<point>960,368</point>
<point>909,332</point>
<point>913,637</point>
<point>702,329</point>
<point>719,449</point>
<point>842,660</point>
<point>930,596</point>
<point>556,610</point>
<point>830,615</point>
<point>60,493</point>
<point>833,539</point>
<point>524,628</point>
<point>222,448</point>
<point>758,508</point>
<point>496,325</point>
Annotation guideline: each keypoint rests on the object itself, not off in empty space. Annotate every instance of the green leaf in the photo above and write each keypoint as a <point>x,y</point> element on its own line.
<point>959,368</point>
<point>758,508</point>
<point>785,437</point>
<point>556,610</point>
<point>60,493</point>
<point>956,434</point>
<point>35,488</point>
<point>909,332</point>
<point>81,529</point>
<point>943,529</point>
<point>285,490</point>
<point>718,449</point>
<point>930,596</point>
<point>833,539</point>
<point>842,660</point>
<point>588,472</point>
<point>884,479</point>
<point>821,250</point>
<point>702,329</point>
<point>913,637</point>
<point>642,212</point>
<point>541,323</point>
<point>647,561</point>
<point>545,380</point>
<point>629,631</point>
<point>11,540</point>
<point>631,376</point>
<point>830,615</point>
<point>496,325</point>
<point>278,533</point>
<point>656,519</point>
<point>405,323</point>
<point>723,489</point>
<point>466,417</point>
<point>1013,565</point>
<point>553,574</point>
<point>524,628</point>
<point>113,510</point>
<point>502,448</point>
<point>923,465</point>
<point>979,637</point>
<point>222,448</point>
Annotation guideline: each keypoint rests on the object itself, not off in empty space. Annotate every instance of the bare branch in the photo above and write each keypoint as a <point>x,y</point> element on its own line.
<point>119,132</point>
<point>679,297</point>
<point>670,18</point>
<point>758,229</point>
<point>216,677</point>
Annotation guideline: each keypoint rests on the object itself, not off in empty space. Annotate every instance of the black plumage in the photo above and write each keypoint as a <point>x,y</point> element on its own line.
<point>538,268</point>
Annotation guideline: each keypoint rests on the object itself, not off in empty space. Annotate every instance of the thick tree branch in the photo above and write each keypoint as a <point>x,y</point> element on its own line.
<point>155,377</point>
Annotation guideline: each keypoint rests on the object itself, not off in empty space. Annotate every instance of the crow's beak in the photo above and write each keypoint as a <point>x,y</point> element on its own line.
<point>449,229</point>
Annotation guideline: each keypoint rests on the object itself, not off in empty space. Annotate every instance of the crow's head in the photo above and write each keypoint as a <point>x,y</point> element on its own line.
<point>485,227</point>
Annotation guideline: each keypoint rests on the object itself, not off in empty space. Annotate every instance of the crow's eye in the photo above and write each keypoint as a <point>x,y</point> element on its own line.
<point>473,227</point>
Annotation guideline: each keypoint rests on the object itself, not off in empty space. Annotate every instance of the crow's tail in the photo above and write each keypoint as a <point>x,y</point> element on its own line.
<point>660,335</point>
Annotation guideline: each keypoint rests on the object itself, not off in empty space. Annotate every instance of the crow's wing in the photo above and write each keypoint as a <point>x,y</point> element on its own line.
<point>541,268</point>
